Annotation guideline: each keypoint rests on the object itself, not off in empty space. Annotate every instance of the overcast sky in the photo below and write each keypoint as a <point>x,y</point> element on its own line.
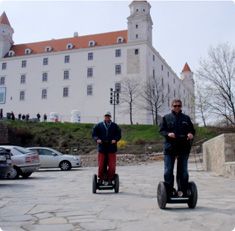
<point>182,30</point>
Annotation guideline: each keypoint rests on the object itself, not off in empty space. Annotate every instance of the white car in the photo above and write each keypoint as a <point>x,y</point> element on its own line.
<point>51,158</point>
<point>24,161</point>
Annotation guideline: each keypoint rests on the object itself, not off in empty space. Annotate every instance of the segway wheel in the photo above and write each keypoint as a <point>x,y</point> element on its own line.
<point>193,197</point>
<point>162,195</point>
<point>94,183</point>
<point>116,183</point>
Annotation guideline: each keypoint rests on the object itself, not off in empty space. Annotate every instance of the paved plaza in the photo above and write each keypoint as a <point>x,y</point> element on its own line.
<point>53,200</point>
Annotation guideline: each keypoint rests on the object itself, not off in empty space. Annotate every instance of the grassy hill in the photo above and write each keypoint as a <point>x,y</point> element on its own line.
<point>69,137</point>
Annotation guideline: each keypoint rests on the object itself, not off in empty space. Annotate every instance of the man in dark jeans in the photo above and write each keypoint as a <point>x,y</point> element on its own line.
<point>106,134</point>
<point>178,131</point>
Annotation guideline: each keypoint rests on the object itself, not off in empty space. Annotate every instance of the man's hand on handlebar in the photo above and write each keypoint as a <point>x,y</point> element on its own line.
<point>171,135</point>
<point>99,141</point>
<point>189,136</point>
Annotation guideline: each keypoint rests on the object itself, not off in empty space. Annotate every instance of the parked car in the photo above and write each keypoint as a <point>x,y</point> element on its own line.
<point>51,158</point>
<point>24,161</point>
<point>5,162</point>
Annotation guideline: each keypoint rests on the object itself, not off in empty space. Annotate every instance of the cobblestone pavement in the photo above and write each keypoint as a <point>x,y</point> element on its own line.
<point>62,201</point>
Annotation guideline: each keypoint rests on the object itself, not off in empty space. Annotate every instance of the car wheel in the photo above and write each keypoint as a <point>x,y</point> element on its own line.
<point>13,173</point>
<point>65,165</point>
<point>25,175</point>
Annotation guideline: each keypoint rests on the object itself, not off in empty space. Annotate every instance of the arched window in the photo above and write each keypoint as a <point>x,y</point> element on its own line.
<point>91,43</point>
<point>11,53</point>
<point>48,49</point>
<point>120,39</point>
<point>69,46</point>
<point>27,51</point>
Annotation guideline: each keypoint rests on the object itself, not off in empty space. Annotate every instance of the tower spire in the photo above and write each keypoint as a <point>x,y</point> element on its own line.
<point>4,19</point>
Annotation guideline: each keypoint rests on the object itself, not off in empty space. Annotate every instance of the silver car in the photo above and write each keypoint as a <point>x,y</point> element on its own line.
<point>24,161</point>
<point>51,158</point>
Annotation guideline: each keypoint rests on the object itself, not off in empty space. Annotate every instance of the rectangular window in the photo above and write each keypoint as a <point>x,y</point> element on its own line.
<point>22,79</point>
<point>44,93</point>
<point>118,87</point>
<point>136,36</point>
<point>174,94</point>
<point>136,51</point>
<point>65,92</point>
<point>66,58</point>
<point>89,72</point>
<point>2,80</point>
<point>90,56</point>
<point>89,90</point>
<point>23,63</point>
<point>168,87</point>
<point>153,73</point>
<point>168,74</point>
<point>118,53</point>
<point>153,57</point>
<point>45,61</point>
<point>22,95</point>
<point>162,67</point>
<point>118,69</point>
<point>4,66</point>
<point>66,74</point>
<point>44,77</point>
<point>136,26</point>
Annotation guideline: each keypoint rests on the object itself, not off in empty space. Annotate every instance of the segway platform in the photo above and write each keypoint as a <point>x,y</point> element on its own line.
<point>105,185</point>
<point>164,195</point>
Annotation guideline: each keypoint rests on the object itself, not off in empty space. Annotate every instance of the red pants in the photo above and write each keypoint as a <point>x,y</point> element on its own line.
<point>106,166</point>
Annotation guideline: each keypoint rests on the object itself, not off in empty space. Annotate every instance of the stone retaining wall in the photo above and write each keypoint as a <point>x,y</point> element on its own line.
<point>219,155</point>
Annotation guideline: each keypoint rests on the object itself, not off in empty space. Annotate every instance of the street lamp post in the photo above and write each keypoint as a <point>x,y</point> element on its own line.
<point>114,100</point>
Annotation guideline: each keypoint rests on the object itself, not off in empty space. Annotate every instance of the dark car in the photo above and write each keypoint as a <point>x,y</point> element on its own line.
<point>5,162</point>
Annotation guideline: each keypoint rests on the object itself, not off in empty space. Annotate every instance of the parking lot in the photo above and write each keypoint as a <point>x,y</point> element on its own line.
<point>53,200</point>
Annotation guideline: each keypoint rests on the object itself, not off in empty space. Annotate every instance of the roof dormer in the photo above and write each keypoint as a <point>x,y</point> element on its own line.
<point>27,51</point>
<point>11,53</point>
<point>120,39</point>
<point>91,43</point>
<point>48,49</point>
<point>69,46</point>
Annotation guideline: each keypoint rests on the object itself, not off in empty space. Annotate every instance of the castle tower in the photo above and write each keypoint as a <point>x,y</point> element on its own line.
<point>140,22</point>
<point>6,32</point>
<point>186,72</point>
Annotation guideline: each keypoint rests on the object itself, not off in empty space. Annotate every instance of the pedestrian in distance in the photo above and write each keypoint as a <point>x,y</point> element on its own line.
<point>38,116</point>
<point>178,132</point>
<point>106,134</point>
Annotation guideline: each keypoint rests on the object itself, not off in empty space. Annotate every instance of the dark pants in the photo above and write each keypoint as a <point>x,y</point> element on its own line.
<point>106,166</point>
<point>182,170</point>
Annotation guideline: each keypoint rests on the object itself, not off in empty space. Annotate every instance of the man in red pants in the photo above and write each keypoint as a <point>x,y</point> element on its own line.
<point>106,134</point>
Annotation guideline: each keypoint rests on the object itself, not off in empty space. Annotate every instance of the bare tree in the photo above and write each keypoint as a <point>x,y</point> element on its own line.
<point>129,93</point>
<point>218,74</point>
<point>153,96</point>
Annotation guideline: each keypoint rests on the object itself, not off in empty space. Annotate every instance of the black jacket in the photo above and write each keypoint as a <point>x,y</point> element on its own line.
<point>107,133</point>
<point>181,125</point>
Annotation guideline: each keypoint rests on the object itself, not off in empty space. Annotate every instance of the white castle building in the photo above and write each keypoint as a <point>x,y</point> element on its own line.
<point>73,76</point>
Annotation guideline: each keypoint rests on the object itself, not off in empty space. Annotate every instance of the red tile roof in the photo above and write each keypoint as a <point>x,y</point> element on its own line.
<point>186,68</point>
<point>4,20</point>
<point>104,39</point>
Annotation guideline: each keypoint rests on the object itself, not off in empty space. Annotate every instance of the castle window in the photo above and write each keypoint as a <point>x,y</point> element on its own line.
<point>44,77</point>
<point>136,51</point>
<point>65,92</point>
<point>2,80</point>
<point>27,51</point>
<point>48,49</point>
<point>118,87</point>
<point>91,43</point>
<point>137,10</point>
<point>162,67</point>
<point>22,95</point>
<point>118,53</point>
<point>69,46</point>
<point>153,57</point>
<point>120,39</point>
<point>23,79</point>
<point>168,74</point>
<point>143,10</point>
<point>136,26</point>
<point>66,74</point>
<point>44,93</point>
<point>118,69</point>
<point>66,59</point>
<point>45,61</point>
<point>4,66</point>
<point>90,56</point>
<point>89,90</point>
<point>89,72</point>
<point>11,53</point>
<point>136,36</point>
<point>23,63</point>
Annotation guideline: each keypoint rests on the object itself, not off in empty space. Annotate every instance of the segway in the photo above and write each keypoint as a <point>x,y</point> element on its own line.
<point>165,195</point>
<point>105,184</point>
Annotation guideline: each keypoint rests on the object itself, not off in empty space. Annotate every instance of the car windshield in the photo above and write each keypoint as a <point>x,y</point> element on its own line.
<point>22,150</point>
